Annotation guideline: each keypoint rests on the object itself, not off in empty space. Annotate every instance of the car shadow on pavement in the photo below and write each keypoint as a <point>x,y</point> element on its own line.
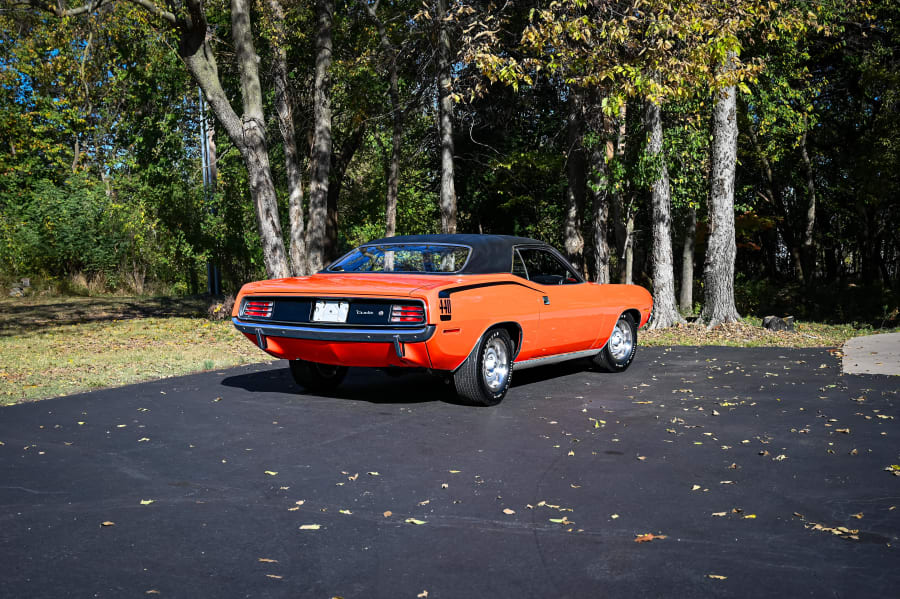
<point>362,384</point>
<point>392,387</point>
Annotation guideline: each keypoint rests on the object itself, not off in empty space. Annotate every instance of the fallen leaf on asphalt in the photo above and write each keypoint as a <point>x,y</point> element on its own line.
<point>346,512</point>
<point>750,516</point>
<point>414,521</point>
<point>310,527</point>
<point>780,457</point>
<point>695,488</point>
<point>293,509</point>
<point>854,451</point>
<point>388,514</point>
<point>147,501</point>
<point>508,511</point>
<point>646,538</point>
<point>143,439</point>
<point>444,485</point>
<point>614,516</point>
<point>846,431</point>
<point>373,473</point>
<point>563,520</point>
<point>300,502</point>
<point>218,399</point>
<point>642,457</point>
<point>426,502</point>
<point>574,486</point>
<point>893,469</point>
<point>726,482</point>
<point>422,595</point>
<point>716,576</point>
<point>454,471</point>
<point>266,560</point>
<point>719,514</point>
<point>271,473</point>
<point>121,425</point>
<point>275,576</point>
<point>354,477</point>
<point>151,592</point>
<point>107,523</point>
<point>857,516</point>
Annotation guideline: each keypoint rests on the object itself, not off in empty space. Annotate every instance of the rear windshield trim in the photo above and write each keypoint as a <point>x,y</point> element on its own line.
<point>403,272</point>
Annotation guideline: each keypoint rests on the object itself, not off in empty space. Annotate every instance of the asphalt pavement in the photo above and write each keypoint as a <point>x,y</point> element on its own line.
<point>759,473</point>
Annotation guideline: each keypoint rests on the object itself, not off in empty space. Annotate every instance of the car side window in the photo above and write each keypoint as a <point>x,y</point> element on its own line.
<point>545,268</point>
<point>518,267</point>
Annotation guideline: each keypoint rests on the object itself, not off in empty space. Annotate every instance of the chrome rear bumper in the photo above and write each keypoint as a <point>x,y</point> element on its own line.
<point>355,334</point>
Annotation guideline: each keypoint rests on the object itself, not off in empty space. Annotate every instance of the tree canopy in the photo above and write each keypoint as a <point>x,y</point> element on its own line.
<point>332,122</point>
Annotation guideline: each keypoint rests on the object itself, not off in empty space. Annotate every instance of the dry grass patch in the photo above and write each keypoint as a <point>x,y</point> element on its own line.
<point>750,333</point>
<point>39,359</point>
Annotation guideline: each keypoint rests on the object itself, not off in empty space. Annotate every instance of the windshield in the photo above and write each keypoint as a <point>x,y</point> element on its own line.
<point>418,258</point>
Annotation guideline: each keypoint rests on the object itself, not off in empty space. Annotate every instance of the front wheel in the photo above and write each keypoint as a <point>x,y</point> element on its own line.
<point>618,352</point>
<point>317,377</point>
<point>484,377</point>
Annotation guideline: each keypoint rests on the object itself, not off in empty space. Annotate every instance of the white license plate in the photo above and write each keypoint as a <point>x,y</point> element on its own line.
<point>326,311</point>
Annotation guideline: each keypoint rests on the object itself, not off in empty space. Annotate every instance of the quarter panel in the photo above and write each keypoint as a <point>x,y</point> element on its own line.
<point>464,311</point>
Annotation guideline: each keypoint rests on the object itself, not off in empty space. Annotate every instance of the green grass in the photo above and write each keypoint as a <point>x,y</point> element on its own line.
<point>61,345</point>
<point>108,342</point>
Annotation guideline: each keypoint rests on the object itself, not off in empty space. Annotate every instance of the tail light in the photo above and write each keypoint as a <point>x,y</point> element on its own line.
<point>258,308</point>
<point>408,313</point>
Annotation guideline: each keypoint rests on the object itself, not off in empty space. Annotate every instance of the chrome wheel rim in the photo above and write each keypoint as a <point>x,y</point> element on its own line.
<point>621,342</point>
<point>495,365</point>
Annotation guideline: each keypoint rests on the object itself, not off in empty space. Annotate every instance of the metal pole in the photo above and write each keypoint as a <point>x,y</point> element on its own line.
<point>212,283</point>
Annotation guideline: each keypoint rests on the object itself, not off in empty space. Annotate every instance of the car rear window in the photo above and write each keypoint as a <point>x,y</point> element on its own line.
<point>414,258</point>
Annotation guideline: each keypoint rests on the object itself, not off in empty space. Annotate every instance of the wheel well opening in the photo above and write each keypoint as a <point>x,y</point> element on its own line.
<point>635,315</point>
<point>515,333</point>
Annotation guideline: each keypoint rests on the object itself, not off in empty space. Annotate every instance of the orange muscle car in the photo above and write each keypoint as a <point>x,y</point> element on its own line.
<point>470,307</point>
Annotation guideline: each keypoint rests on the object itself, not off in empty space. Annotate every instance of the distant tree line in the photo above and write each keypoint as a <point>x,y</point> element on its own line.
<point>732,156</point>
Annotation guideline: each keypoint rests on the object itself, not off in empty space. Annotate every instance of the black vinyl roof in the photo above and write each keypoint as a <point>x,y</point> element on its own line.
<point>490,253</point>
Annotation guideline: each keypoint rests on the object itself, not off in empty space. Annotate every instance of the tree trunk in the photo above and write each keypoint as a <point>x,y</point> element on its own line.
<point>247,132</point>
<point>340,161</point>
<point>322,140</point>
<point>284,108</point>
<point>628,270</point>
<point>573,241</point>
<point>622,212</point>
<point>776,198</point>
<point>601,153</point>
<point>393,175</point>
<point>808,252</point>
<point>686,301</point>
<point>665,311</point>
<point>445,123</point>
<point>721,249</point>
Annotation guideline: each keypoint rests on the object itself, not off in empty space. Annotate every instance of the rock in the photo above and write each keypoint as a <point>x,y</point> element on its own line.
<point>16,292</point>
<point>774,323</point>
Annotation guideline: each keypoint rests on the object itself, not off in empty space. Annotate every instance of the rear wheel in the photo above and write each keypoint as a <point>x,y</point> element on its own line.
<point>317,377</point>
<point>484,377</point>
<point>618,352</point>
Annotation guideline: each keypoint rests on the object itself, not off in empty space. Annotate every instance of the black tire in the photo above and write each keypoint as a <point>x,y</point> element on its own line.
<point>618,353</point>
<point>481,385</point>
<point>317,377</point>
